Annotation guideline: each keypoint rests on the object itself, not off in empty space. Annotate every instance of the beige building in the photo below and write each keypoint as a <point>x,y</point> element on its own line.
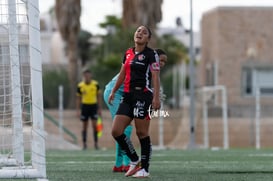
<point>237,51</point>
<point>52,45</point>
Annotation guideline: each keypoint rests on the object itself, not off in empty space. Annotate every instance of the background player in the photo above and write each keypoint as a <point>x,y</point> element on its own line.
<point>122,160</point>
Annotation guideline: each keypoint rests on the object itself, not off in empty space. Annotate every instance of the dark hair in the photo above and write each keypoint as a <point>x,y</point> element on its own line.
<point>160,51</point>
<point>86,71</point>
<point>149,31</point>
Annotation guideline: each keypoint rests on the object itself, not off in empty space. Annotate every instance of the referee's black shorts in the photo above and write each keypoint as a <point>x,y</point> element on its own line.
<point>89,111</point>
<point>136,104</point>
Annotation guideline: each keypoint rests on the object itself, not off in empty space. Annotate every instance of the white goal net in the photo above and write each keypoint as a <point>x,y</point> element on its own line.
<point>22,137</point>
<point>213,95</point>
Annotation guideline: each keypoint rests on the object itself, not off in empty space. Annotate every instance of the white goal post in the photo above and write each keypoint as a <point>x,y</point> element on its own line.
<point>257,118</point>
<point>22,136</point>
<point>213,90</point>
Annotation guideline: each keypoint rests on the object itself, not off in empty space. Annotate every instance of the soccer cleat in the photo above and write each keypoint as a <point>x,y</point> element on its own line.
<point>134,167</point>
<point>125,168</point>
<point>117,169</point>
<point>141,174</point>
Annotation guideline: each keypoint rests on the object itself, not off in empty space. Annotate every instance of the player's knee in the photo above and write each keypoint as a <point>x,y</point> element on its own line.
<point>116,133</point>
<point>141,133</point>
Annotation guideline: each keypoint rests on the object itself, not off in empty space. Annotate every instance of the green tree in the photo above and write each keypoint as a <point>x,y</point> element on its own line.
<point>176,53</point>
<point>109,54</point>
<point>115,42</point>
<point>175,50</point>
<point>84,46</point>
<point>111,20</point>
<point>51,80</point>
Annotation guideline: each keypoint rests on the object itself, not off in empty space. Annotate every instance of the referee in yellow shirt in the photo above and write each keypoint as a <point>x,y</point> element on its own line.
<point>88,99</point>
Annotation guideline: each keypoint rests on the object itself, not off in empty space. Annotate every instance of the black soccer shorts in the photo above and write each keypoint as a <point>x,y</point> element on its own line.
<point>89,111</point>
<point>136,104</point>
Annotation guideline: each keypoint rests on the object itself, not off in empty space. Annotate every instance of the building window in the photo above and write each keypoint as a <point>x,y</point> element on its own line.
<point>248,82</point>
<point>257,79</point>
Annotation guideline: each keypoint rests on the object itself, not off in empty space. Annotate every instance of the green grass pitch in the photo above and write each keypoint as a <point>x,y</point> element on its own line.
<point>166,165</point>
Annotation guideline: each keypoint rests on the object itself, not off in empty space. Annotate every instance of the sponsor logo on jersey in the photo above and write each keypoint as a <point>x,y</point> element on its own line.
<point>140,57</point>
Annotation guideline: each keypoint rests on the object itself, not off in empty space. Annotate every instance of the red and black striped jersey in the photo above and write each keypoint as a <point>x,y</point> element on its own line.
<point>138,67</point>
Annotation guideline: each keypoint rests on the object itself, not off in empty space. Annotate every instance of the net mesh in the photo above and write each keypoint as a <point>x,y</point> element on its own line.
<point>9,82</point>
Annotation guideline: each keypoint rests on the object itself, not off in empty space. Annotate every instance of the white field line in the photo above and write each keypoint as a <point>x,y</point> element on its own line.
<point>113,155</point>
<point>162,161</point>
<point>261,155</point>
<point>106,162</point>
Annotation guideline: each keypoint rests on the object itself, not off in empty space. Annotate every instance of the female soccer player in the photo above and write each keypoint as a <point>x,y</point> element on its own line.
<point>139,70</point>
<point>122,161</point>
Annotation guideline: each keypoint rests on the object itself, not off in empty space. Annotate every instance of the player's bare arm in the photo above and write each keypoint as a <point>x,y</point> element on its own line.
<point>156,85</point>
<point>119,82</point>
